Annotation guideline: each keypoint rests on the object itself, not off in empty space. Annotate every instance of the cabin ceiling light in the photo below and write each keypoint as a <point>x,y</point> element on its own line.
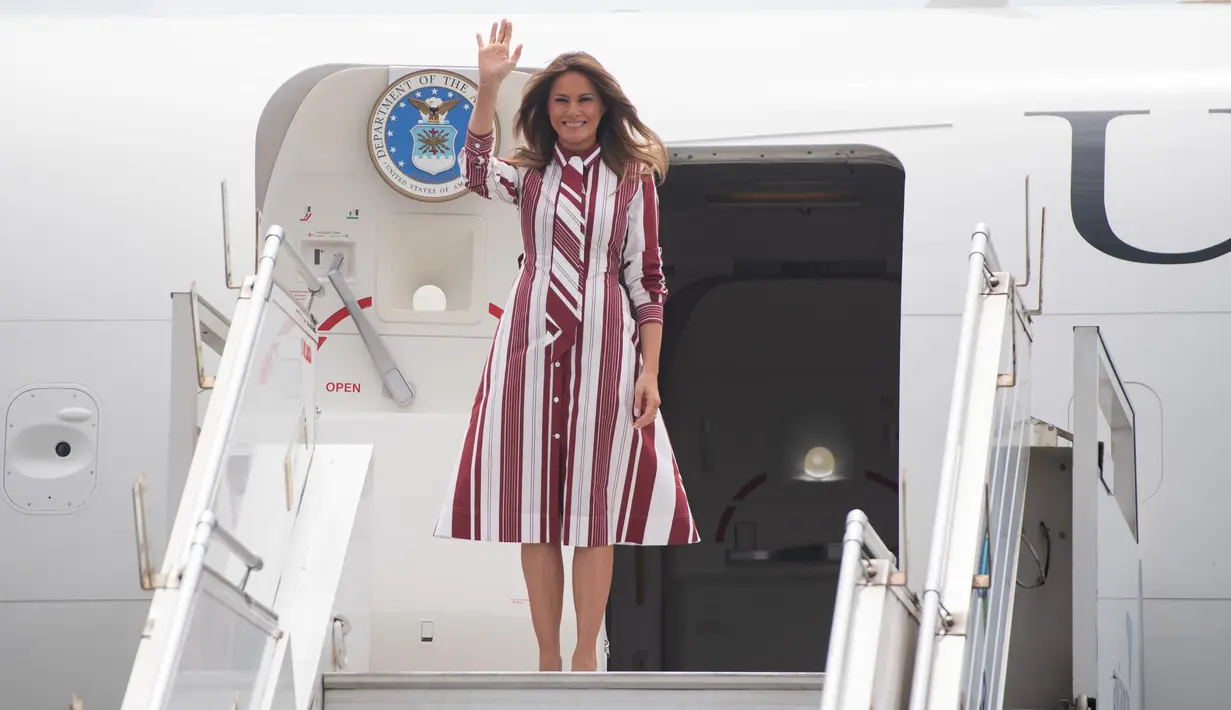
<point>819,463</point>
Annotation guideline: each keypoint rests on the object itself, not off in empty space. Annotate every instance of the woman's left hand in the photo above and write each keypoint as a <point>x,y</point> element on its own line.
<point>646,399</point>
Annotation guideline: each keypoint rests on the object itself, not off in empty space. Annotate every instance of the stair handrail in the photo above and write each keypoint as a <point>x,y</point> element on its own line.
<point>859,541</point>
<point>184,571</point>
<point>982,265</point>
<point>228,397</point>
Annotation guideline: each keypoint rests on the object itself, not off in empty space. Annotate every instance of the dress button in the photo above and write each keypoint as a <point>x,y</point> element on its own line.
<point>557,364</point>
<point>555,399</point>
<point>556,435</point>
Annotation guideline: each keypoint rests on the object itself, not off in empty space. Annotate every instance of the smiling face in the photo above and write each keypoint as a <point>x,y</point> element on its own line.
<point>575,108</point>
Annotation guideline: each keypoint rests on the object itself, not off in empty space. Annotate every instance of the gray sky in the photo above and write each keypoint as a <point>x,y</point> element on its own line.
<point>217,7</point>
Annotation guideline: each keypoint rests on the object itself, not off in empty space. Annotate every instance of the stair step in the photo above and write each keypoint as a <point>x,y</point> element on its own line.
<point>593,691</point>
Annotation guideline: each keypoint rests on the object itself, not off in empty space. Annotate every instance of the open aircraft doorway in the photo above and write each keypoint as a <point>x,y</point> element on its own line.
<point>779,377</point>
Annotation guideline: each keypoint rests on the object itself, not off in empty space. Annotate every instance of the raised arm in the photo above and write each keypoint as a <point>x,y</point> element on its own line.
<point>486,175</point>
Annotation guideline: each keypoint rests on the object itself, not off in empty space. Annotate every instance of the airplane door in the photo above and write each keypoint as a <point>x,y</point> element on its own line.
<point>365,176</point>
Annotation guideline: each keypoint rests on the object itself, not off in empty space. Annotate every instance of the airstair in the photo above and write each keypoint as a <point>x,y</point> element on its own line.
<point>243,615</point>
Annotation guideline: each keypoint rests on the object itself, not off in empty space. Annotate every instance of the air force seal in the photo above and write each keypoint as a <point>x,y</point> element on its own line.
<point>417,130</point>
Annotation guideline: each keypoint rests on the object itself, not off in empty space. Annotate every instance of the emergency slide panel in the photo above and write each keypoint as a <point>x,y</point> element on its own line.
<point>1107,588</point>
<point>968,595</point>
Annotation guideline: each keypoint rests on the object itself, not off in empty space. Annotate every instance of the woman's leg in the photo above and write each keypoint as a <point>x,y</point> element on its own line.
<point>543,566</point>
<point>591,587</point>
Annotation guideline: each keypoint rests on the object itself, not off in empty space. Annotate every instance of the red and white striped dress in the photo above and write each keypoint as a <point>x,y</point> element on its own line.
<point>551,454</point>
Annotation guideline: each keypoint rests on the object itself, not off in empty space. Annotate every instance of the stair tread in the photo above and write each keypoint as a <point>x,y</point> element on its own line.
<point>508,680</point>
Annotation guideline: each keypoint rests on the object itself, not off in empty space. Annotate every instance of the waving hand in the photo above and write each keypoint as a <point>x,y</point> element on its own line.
<point>495,61</point>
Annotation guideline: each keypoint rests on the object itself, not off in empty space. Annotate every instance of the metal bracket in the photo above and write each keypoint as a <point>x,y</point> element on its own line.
<point>204,381</point>
<point>212,335</point>
<point>226,238</point>
<point>150,580</point>
<point>338,630</point>
<point>946,617</point>
<point>1009,379</point>
<point>1045,434</point>
<point>1026,282</point>
<point>289,461</point>
<point>1037,310</point>
<point>252,561</point>
<point>289,470</point>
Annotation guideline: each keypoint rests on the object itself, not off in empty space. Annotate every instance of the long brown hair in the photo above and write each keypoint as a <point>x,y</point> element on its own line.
<point>626,141</point>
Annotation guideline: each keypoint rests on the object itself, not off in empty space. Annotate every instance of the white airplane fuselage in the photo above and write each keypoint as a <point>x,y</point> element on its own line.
<point>116,133</point>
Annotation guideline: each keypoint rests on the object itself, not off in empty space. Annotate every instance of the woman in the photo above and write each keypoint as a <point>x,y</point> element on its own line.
<point>565,445</point>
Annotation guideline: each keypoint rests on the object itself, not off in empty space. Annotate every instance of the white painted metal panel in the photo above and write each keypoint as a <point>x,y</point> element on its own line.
<point>603,691</point>
<point>88,553</point>
<point>1107,593</point>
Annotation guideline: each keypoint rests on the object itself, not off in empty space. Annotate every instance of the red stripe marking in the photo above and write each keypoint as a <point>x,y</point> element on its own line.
<point>643,489</point>
<point>727,514</point>
<point>604,432</point>
<point>268,365</point>
<point>551,470</point>
<point>366,302</point>
<point>681,526</point>
<point>880,480</point>
<point>475,461</point>
<point>725,521</point>
<point>465,522</point>
<point>512,404</point>
<point>338,316</point>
